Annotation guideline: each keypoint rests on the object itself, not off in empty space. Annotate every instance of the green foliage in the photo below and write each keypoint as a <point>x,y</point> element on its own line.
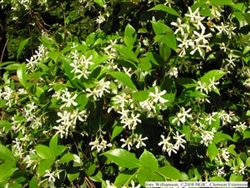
<point>117,93</point>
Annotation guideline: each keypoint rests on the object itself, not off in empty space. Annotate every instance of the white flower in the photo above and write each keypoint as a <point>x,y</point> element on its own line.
<point>242,169</point>
<point>202,86</point>
<point>241,127</point>
<point>167,146</point>
<point>179,26</point>
<point>128,142</point>
<point>100,19</point>
<point>139,140</point>
<point>131,121</point>
<point>51,176</point>
<point>179,141</point>
<point>68,99</point>
<point>173,72</point>
<point>182,115</point>
<point>110,185</point>
<point>99,146</point>
<point>157,97</point>
<point>207,136</point>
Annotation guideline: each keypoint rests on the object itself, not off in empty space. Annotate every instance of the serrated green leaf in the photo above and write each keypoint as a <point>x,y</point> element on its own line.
<point>212,151</point>
<point>140,96</point>
<point>6,154</point>
<point>122,158</point>
<point>21,47</point>
<point>124,79</point>
<point>43,152</point>
<point>170,172</point>
<point>147,159</point>
<point>165,9</point>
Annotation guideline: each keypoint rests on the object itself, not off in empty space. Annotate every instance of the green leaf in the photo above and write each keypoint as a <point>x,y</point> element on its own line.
<point>247,163</point>
<point>219,136</point>
<point>167,39</point>
<point>44,165</point>
<point>126,52</point>
<point>165,51</point>
<point>124,79</point>
<point>221,2</point>
<point>234,177</point>
<point>90,171</point>
<point>144,174</point>
<point>147,159</point>
<point>213,74</point>
<point>129,36</point>
<point>21,47</point>
<point>170,172</point>
<point>246,134</point>
<point>164,34</point>
<point>118,128</point>
<point>82,101</point>
<point>144,64</point>
<point>12,67</point>
<point>123,178</point>
<point>53,144</point>
<point>216,123</point>
<point>72,177</point>
<point>212,151</point>
<point>165,9</point>
<point>7,125</point>
<point>68,69</point>
<point>33,183</point>
<point>43,152</point>
<point>66,158</point>
<point>21,74</point>
<point>140,96</point>
<point>187,82</point>
<point>100,2</point>
<point>217,178</point>
<point>54,55</point>
<point>122,158</point>
<point>7,170</point>
<point>155,58</point>
<point>6,154</point>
